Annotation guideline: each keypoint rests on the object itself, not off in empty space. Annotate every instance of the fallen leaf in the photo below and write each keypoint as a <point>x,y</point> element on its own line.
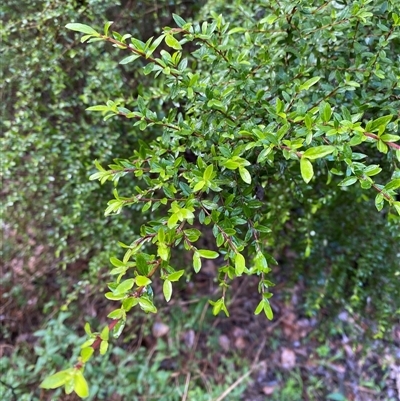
<point>160,329</point>
<point>288,358</point>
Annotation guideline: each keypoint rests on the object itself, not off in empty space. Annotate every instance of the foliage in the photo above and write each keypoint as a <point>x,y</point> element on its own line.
<point>254,122</point>
<point>48,144</point>
<point>127,373</point>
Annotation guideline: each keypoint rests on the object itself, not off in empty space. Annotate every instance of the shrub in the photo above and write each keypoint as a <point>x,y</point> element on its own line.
<point>260,124</point>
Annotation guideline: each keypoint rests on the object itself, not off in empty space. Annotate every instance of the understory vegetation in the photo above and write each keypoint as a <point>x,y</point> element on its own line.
<point>201,200</point>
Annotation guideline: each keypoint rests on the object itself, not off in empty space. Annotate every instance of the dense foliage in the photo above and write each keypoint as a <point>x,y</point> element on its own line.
<point>267,125</point>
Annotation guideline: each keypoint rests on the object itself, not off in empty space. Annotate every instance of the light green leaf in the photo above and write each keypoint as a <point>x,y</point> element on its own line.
<point>87,329</point>
<point>310,82</point>
<point>172,42</point>
<point>98,108</point>
<point>129,59</point>
<point>306,169</point>
<point>196,262</point>
<point>270,19</point>
<point>57,380</point>
<point>390,138</point>
<point>326,113</point>
<point>348,181</point>
<point>199,186</point>
<point>80,385</point>
<point>167,290</point>
<point>259,308</point>
<point>147,305</point>
<point>207,254</point>
<point>116,314</point>
<point>173,220</point>
<point>105,333</point>
<point>142,281</point>
<point>244,173</point>
<point>318,152</point>
<point>107,27</point>
<point>382,147</point>
<point>82,28</point>
<point>163,251</point>
<point>114,297</point>
<point>116,262</point>
<point>86,353</point>
<point>208,172</point>
<point>394,184</point>
<point>240,264</point>
<point>175,276</point>
<point>179,20</point>
<point>125,286</point>
<point>103,347</point>
<point>379,123</point>
<point>267,310</point>
<point>372,170</point>
<point>236,30</point>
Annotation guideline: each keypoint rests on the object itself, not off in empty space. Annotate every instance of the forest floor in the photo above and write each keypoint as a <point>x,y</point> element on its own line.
<point>292,357</point>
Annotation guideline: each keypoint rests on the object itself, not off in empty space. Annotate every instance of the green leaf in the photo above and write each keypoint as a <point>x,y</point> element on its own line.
<point>172,42</point>
<point>318,152</point>
<point>70,385</point>
<point>196,262</point>
<point>245,175</point>
<point>326,113</point>
<point>394,184</point>
<point>310,82</point>
<point>306,169</point>
<point>98,108</point>
<point>116,262</point>
<point>267,310</point>
<point>163,251</point>
<point>167,290</point>
<point>259,308</point>
<point>107,27</point>
<point>390,138</point>
<point>80,385</point>
<point>379,123</point>
<point>348,181</point>
<point>114,297</point>
<point>105,333</point>
<point>199,186</point>
<point>207,254</point>
<point>57,380</point>
<point>142,281</point>
<point>179,20</point>
<point>147,305</point>
<point>118,328</point>
<point>382,147</point>
<point>129,59</point>
<point>87,329</point>
<point>125,286</point>
<point>142,265</point>
<point>236,30</point>
<point>88,343</point>
<point>270,19</point>
<point>217,306</point>
<point>86,353</point>
<point>116,314</point>
<point>240,264</point>
<point>372,170</point>
<point>208,172</point>
<point>175,276</point>
<point>173,220</point>
<point>103,347</point>
<point>82,28</point>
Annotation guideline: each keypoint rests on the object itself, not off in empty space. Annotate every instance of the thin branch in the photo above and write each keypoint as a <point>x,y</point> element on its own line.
<point>391,144</point>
